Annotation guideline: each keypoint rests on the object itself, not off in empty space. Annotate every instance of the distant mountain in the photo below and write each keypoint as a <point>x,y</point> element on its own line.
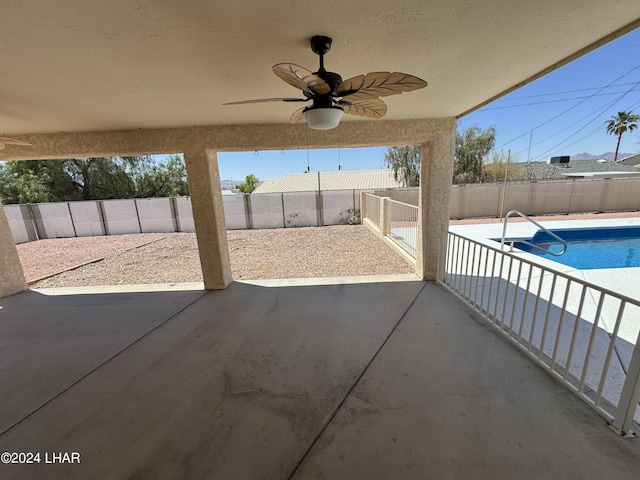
<point>606,156</point>
<point>229,184</point>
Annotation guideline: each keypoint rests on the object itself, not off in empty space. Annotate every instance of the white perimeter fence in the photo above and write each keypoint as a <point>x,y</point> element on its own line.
<point>584,335</point>
<point>301,209</point>
<point>174,214</point>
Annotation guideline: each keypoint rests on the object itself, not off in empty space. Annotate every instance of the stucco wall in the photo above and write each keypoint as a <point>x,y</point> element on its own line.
<point>11,277</point>
<point>200,145</point>
<point>226,138</point>
<point>535,198</point>
<point>545,197</point>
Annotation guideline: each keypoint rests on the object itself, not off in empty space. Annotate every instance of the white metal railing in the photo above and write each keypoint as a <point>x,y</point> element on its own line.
<point>372,209</point>
<point>403,225</point>
<point>586,336</point>
<point>526,242</point>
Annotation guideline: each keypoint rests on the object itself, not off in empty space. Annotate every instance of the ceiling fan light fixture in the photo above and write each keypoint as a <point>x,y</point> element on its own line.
<point>323,118</point>
<point>332,96</point>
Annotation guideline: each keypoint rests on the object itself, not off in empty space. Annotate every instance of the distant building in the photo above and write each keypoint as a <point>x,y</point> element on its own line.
<point>342,180</point>
<point>560,159</point>
<point>632,160</point>
<point>601,174</point>
<point>597,168</point>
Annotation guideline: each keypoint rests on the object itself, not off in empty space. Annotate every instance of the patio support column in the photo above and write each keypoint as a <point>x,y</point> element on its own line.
<point>208,216</point>
<point>436,170</point>
<point>12,277</point>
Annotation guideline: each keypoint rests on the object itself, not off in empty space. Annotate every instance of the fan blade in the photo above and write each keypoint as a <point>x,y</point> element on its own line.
<point>301,78</point>
<point>380,84</point>
<point>363,105</point>
<point>265,100</point>
<point>297,116</point>
<point>11,141</point>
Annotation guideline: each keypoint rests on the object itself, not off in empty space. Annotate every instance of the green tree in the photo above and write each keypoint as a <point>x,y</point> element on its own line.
<point>158,179</point>
<point>405,163</point>
<point>250,184</point>
<point>100,178</point>
<point>502,165</point>
<point>176,171</point>
<point>472,148</point>
<point>619,124</point>
<point>34,181</point>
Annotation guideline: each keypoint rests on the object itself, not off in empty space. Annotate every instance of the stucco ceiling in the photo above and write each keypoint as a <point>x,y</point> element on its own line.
<point>95,65</point>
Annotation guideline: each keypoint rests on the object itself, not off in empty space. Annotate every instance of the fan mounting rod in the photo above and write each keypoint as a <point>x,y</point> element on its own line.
<point>320,45</point>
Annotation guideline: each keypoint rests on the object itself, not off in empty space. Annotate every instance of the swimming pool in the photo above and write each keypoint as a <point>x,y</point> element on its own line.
<point>589,248</point>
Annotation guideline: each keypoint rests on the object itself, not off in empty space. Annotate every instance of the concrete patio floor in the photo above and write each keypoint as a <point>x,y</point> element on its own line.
<point>377,380</point>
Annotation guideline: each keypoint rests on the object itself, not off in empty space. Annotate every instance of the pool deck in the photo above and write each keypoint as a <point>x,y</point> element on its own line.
<point>625,281</point>
<point>622,281</point>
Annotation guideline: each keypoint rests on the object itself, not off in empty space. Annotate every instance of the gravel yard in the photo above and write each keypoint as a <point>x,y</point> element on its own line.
<point>306,252</point>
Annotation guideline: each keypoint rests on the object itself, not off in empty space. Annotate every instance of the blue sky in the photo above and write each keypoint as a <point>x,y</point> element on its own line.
<point>562,113</point>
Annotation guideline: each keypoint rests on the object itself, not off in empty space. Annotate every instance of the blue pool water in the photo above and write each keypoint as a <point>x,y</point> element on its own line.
<point>590,248</point>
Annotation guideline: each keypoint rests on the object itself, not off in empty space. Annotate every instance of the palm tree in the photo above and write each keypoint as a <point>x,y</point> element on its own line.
<point>620,123</point>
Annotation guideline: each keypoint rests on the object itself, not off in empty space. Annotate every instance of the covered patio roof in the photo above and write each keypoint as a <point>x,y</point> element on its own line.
<point>91,66</point>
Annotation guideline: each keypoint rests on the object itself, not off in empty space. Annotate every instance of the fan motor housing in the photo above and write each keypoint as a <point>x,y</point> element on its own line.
<point>322,101</point>
<point>332,79</point>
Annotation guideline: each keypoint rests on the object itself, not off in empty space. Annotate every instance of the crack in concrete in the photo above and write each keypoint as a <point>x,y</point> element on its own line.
<point>369,403</point>
<point>306,401</point>
<point>248,389</point>
<point>275,303</point>
<point>231,390</point>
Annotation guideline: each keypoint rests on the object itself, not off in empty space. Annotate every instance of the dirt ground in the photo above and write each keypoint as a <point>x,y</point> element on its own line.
<point>305,252</point>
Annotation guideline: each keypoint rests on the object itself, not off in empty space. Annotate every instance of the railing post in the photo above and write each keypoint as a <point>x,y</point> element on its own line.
<point>629,397</point>
<point>385,224</point>
<point>363,206</point>
<point>442,255</point>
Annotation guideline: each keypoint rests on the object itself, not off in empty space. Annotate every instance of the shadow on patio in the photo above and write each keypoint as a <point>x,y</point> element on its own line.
<point>368,380</point>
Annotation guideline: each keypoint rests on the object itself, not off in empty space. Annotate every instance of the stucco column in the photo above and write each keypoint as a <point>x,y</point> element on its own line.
<point>208,216</point>
<point>11,276</point>
<point>436,170</point>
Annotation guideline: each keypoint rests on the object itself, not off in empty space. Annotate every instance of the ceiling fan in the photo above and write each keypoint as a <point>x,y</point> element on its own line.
<point>331,96</point>
<point>10,141</point>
